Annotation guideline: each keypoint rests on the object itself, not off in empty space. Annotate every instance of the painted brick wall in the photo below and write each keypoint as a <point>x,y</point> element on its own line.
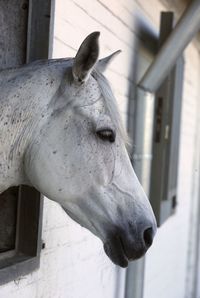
<point>73,264</point>
<point>167,266</point>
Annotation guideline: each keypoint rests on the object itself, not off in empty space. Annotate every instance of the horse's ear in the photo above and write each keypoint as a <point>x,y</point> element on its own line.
<point>103,63</point>
<point>86,57</point>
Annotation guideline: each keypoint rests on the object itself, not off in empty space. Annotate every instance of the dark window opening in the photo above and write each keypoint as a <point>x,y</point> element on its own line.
<point>8,218</point>
<point>20,232</point>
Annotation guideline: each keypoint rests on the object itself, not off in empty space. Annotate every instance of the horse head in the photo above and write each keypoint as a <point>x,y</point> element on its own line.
<point>77,156</point>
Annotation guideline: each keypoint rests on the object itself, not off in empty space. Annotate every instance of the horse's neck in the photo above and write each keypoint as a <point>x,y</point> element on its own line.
<point>15,129</point>
<point>12,149</point>
<point>24,99</point>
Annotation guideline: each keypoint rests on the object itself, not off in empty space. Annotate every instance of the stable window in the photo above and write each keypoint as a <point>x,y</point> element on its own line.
<point>167,118</point>
<point>21,207</point>
<point>20,232</point>
<point>154,126</point>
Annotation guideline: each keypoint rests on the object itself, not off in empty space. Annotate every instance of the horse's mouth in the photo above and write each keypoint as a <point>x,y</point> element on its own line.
<point>114,248</point>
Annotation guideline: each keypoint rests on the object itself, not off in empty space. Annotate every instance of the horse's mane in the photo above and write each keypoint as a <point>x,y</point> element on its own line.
<point>111,103</point>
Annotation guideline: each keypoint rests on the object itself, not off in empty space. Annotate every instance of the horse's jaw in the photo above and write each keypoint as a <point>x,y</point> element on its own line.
<point>126,235</point>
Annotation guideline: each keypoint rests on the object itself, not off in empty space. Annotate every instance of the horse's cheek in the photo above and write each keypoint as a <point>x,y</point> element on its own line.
<point>104,165</point>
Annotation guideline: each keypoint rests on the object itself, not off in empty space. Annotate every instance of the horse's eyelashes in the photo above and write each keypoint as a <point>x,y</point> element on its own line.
<point>106,134</point>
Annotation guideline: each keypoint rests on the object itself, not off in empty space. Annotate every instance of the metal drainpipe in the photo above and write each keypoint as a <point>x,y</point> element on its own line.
<point>177,41</point>
<point>196,286</point>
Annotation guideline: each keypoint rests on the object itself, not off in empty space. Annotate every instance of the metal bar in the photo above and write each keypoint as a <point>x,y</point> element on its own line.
<point>180,37</point>
<point>134,287</point>
<point>197,275</point>
<point>141,156</point>
<point>196,286</point>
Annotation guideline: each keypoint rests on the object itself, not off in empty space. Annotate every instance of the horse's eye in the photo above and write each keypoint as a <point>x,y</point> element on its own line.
<point>106,134</point>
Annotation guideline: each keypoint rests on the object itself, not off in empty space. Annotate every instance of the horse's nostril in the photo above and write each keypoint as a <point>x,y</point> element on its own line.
<point>148,237</point>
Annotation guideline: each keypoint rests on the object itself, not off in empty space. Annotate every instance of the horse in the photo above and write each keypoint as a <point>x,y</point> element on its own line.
<point>61,133</point>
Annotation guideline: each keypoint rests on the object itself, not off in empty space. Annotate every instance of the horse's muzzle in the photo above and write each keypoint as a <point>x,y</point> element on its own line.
<point>121,249</point>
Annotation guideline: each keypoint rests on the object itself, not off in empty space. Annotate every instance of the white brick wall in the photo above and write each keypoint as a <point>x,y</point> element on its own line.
<point>73,264</point>
<point>166,264</point>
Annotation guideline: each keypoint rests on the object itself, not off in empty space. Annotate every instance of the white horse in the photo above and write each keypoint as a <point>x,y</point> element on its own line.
<point>61,132</point>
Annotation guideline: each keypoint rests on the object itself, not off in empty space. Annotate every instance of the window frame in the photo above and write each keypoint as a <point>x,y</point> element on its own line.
<point>166,138</point>
<point>25,258</point>
<point>26,255</point>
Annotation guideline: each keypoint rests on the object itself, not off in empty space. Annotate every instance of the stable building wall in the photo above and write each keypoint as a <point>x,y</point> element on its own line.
<point>73,263</point>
